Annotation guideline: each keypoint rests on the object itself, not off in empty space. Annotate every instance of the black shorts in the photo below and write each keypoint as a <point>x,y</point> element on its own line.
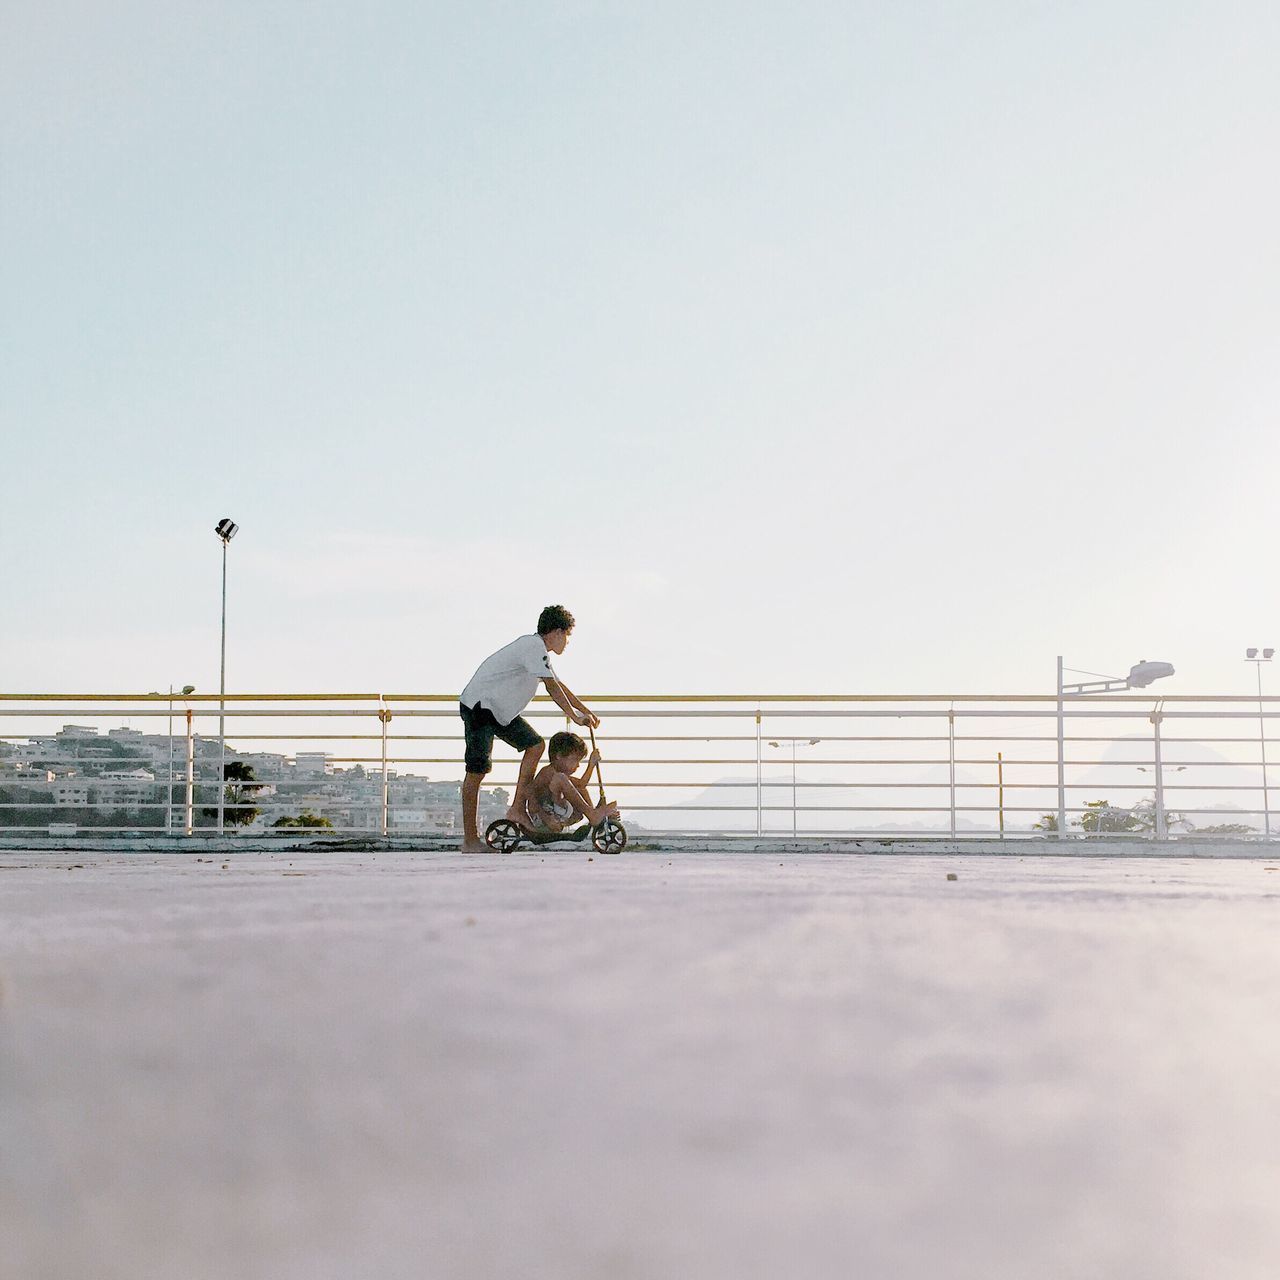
<point>481,729</point>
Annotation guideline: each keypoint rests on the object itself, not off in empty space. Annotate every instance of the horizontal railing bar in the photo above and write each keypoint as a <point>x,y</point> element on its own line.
<point>672,808</point>
<point>751,700</point>
<point>696,699</point>
<point>180,700</point>
<point>234,712</point>
<point>809,762</point>
<point>179,746</point>
<point>205,764</point>
<point>177,808</point>
<point>877,833</point>
<point>179,740</point>
<point>210,783</point>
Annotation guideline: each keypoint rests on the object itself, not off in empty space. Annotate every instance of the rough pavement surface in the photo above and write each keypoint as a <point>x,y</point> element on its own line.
<point>304,1067</point>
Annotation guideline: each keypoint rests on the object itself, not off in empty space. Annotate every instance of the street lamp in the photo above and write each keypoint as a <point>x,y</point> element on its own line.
<point>1251,655</point>
<point>226,529</point>
<point>813,742</point>
<point>1140,675</point>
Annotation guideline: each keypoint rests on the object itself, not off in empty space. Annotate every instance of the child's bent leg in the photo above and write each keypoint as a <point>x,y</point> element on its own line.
<point>564,791</point>
<point>471,842</point>
<point>576,794</point>
<point>528,767</point>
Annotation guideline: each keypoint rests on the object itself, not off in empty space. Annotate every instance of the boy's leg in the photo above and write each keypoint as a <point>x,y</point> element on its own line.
<point>477,727</point>
<point>471,842</point>
<point>528,767</point>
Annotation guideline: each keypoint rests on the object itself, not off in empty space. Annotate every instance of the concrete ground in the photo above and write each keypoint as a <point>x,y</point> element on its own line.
<point>304,1066</point>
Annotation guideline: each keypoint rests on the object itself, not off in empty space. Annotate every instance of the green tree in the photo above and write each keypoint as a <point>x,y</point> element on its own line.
<point>241,789</point>
<point>305,819</point>
<point>1101,816</point>
<point>1144,813</point>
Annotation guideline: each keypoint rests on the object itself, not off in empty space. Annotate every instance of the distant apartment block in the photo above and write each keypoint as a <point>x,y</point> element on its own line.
<point>119,778</point>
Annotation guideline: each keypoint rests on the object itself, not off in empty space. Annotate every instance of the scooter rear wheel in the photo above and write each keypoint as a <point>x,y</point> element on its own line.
<point>503,836</point>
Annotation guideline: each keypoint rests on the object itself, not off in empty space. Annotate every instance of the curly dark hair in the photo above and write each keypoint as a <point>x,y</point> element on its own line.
<point>565,743</point>
<point>555,617</point>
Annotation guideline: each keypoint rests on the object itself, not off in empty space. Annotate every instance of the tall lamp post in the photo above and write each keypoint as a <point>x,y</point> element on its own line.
<point>1140,675</point>
<point>1251,655</point>
<point>813,742</point>
<point>226,529</point>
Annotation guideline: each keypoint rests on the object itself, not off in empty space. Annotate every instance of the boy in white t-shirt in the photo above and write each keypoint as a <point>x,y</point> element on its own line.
<point>490,706</point>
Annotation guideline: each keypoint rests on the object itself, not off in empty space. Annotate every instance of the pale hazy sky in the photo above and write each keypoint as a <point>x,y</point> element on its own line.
<point>820,346</point>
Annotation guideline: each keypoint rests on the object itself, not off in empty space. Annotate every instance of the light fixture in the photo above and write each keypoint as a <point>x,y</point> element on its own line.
<point>1143,673</point>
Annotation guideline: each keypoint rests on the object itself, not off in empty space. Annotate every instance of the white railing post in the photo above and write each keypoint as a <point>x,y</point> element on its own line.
<point>1062,765</point>
<point>191,773</point>
<point>1000,788</point>
<point>951,762</point>
<point>1162,825</point>
<point>759,782</point>
<point>222,701</point>
<point>384,717</point>
<point>1262,744</point>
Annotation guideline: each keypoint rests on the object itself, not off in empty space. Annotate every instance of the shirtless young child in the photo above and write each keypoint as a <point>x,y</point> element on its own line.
<point>556,797</point>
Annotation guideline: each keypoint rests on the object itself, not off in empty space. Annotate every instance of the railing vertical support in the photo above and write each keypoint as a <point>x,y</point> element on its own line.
<point>1162,825</point>
<point>1000,785</point>
<point>168,777</point>
<point>222,701</point>
<point>951,761</point>
<point>759,781</point>
<point>191,772</point>
<point>1262,744</point>
<point>1062,763</point>
<point>384,718</point>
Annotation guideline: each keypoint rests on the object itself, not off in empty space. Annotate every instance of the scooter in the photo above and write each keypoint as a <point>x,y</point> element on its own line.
<point>608,836</point>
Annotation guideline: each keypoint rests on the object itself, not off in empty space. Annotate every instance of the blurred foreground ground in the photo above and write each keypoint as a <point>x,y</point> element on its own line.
<point>695,1066</point>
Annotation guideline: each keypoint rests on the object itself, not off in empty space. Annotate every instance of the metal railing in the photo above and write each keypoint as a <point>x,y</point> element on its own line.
<point>368,763</point>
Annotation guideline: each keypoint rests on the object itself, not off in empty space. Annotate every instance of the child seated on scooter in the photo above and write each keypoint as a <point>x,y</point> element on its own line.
<point>556,797</point>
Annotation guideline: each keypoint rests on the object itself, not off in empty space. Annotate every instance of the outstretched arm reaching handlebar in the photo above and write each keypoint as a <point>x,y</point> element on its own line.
<point>572,706</point>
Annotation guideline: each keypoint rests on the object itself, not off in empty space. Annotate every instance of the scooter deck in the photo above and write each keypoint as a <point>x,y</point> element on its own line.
<point>556,837</point>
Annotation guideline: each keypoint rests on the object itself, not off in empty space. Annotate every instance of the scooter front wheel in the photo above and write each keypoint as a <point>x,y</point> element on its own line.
<point>610,836</point>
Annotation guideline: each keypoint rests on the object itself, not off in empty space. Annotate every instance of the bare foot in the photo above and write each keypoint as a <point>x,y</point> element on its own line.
<point>517,816</point>
<point>474,846</point>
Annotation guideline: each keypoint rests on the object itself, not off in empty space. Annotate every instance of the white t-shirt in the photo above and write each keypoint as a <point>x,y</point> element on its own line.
<point>506,681</point>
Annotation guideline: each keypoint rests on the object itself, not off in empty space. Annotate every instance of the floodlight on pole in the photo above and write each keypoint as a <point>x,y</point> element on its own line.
<point>813,742</point>
<point>1141,674</point>
<point>226,529</point>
